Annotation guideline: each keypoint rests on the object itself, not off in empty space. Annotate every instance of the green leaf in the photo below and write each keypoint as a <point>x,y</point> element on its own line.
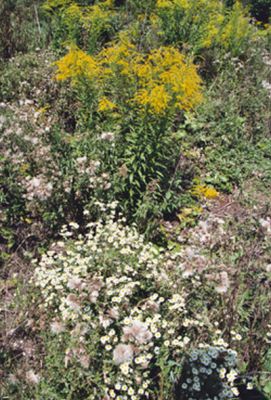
<point>267,388</point>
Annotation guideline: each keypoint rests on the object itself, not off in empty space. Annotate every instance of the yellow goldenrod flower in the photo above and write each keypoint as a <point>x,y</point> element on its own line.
<point>77,64</point>
<point>106,105</point>
<point>167,80</point>
<point>157,99</point>
<point>204,191</point>
<point>162,80</point>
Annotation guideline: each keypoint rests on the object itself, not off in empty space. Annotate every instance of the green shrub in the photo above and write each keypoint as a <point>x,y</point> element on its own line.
<point>233,124</point>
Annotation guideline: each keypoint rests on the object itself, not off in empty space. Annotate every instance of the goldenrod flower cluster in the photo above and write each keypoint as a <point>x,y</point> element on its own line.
<point>160,81</point>
<point>216,26</point>
<point>205,191</point>
<point>77,65</point>
<point>166,80</point>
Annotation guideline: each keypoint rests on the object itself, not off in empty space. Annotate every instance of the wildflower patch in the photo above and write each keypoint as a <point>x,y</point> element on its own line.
<point>131,301</point>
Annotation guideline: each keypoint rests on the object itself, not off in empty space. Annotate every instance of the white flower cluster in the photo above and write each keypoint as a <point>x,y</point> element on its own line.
<point>131,294</point>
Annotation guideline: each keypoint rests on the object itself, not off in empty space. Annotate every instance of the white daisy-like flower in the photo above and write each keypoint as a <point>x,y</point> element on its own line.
<point>235,391</point>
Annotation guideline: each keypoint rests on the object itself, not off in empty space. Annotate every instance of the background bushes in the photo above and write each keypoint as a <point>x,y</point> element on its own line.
<point>22,27</point>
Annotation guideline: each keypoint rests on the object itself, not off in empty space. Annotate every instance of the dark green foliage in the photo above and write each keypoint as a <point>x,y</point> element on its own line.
<point>260,9</point>
<point>22,27</point>
<point>231,128</point>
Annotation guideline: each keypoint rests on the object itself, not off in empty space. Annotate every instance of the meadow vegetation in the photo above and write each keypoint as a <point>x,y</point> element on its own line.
<point>135,222</point>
